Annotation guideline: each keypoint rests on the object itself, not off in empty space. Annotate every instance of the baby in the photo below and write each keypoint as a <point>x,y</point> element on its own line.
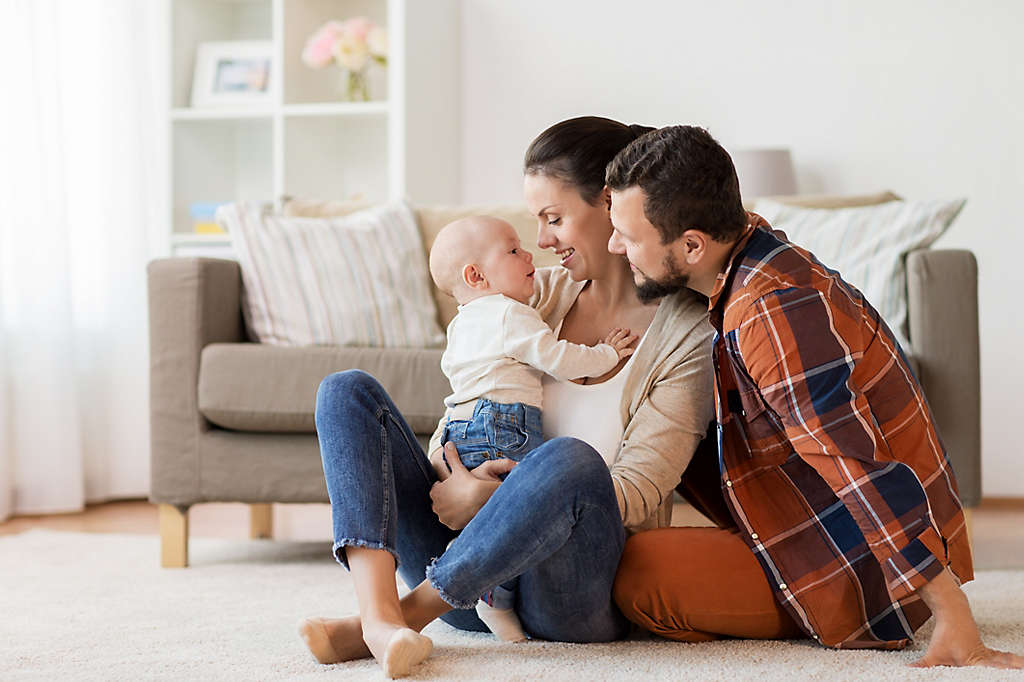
<point>498,349</point>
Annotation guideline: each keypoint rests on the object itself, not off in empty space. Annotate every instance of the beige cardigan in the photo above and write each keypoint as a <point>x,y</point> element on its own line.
<point>667,401</point>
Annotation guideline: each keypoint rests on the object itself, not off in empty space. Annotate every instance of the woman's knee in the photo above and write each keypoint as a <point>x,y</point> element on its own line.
<point>344,386</point>
<point>346,381</point>
<point>569,459</point>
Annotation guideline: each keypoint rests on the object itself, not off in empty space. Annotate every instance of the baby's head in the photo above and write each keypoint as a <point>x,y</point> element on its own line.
<point>478,256</point>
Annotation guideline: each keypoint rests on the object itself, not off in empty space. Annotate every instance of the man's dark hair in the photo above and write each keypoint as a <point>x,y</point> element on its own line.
<point>688,179</point>
<point>577,151</point>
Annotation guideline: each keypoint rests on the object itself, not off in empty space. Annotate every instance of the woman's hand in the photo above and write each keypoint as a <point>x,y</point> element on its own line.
<point>459,496</point>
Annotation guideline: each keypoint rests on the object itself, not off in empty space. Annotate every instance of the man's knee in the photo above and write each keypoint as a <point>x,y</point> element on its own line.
<point>639,576</point>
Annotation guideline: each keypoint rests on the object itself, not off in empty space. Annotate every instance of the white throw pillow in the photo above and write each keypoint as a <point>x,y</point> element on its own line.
<point>357,280</point>
<point>868,245</point>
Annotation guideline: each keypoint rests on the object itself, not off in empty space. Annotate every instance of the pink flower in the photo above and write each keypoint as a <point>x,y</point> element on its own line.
<point>319,49</point>
<point>377,41</point>
<point>358,27</point>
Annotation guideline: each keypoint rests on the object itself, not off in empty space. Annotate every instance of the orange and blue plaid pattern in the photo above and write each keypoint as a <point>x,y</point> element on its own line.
<point>830,462</point>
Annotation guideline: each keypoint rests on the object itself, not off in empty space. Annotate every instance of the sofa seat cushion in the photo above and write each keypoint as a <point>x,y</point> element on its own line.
<point>263,388</point>
<point>259,387</point>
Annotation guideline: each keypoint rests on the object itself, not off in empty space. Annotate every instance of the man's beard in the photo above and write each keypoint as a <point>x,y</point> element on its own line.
<point>674,281</point>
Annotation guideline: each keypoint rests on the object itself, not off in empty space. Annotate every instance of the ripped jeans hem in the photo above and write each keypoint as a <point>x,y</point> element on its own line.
<point>340,545</point>
<point>448,598</point>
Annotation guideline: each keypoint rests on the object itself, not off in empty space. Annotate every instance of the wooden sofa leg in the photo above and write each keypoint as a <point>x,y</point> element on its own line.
<point>261,521</point>
<point>173,536</point>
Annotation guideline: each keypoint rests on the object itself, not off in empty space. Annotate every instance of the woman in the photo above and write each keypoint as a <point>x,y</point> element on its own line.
<point>560,518</point>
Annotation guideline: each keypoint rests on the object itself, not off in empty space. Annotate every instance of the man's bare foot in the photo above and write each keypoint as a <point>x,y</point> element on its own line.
<point>334,640</point>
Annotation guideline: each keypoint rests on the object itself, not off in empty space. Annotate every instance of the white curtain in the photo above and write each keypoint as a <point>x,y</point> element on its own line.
<point>79,152</point>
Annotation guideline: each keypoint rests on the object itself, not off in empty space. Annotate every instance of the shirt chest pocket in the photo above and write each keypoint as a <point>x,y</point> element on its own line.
<point>764,432</point>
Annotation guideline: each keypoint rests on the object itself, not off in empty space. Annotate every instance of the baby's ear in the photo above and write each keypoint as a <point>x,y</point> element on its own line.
<point>473,277</point>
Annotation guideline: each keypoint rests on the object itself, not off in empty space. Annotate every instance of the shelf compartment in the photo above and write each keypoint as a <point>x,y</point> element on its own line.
<point>336,157</point>
<point>218,161</point>
<point>200,21</point>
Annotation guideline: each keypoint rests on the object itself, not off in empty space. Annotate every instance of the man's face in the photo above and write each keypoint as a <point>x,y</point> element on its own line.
<point>656,269</point>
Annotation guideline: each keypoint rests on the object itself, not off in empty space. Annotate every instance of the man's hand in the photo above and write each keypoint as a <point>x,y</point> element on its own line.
<point>956,640</point>
<point>459,496</point>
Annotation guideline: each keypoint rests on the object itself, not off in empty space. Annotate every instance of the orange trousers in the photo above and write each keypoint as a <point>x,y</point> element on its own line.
<point>698,584</point>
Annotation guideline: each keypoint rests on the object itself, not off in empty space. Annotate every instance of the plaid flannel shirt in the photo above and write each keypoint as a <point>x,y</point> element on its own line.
<point>830,463</point>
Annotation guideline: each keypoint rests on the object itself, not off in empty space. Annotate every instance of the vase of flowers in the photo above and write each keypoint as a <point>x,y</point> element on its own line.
<point>353,45</point>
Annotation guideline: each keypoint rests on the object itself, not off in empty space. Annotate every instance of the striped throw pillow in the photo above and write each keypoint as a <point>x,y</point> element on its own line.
<point>357,280</point>
<point>868,245</point>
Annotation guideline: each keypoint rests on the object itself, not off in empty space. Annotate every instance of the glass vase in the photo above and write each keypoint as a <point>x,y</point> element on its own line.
<point>355,86</point>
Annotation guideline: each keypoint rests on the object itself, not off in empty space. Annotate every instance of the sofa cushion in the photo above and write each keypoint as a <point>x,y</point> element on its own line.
<point>259,387</point>
<point>356,280</point>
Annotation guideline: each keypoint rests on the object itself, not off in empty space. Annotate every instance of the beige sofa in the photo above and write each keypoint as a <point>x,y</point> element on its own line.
<point>232,420</point>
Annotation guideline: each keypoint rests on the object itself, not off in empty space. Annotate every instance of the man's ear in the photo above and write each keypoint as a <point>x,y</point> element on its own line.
<point>694,245</point>
<point>473,277</point>
<point>606,196</point>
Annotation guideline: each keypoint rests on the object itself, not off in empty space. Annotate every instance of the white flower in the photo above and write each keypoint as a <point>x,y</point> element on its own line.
<point>377,40</point>
<point>351,53</point>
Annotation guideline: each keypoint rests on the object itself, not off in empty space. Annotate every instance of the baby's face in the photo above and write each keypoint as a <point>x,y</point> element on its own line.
<point>508,267</point>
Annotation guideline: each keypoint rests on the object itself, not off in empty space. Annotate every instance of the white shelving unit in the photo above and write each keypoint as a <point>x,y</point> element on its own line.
<point>310,142</point>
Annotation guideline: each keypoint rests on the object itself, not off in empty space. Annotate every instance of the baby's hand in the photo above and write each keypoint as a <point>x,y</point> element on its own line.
<point>621,340</point>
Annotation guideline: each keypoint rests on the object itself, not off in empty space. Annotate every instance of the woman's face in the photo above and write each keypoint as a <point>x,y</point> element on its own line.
<point>575,230</point>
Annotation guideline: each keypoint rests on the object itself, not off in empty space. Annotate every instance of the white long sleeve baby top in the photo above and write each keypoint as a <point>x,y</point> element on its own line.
<point>498,349</point>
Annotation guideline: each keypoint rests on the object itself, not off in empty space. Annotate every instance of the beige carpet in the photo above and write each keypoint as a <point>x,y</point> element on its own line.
<point>77,606</point>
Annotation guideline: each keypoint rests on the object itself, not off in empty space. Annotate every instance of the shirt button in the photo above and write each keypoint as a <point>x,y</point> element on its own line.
<point>753,536</point>
<point>782,586</point>
<point>728,484</point>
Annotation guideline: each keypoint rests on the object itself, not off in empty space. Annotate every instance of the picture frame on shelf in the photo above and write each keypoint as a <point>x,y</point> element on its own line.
<point>233,73</point>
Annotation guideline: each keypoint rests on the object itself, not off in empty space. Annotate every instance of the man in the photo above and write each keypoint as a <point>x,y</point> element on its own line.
<point>830,479</point>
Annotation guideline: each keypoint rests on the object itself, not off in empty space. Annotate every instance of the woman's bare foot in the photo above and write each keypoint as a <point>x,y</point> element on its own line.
<point>334,640</point>
<point>406,650</point>
<point>397,649</point>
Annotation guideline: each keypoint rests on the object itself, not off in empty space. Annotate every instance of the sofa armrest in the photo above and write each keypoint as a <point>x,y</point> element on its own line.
<point>192,302</point>
<point>942,292</point>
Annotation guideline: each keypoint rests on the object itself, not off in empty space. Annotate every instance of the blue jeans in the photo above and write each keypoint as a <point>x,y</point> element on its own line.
<point>496,430</point>
<point>554,522</point>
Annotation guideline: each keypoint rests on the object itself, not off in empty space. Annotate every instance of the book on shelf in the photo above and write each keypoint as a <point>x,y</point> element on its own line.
<point>203,214</point>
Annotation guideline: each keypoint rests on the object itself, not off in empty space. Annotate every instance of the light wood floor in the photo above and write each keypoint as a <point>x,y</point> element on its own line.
<point>998,524</point>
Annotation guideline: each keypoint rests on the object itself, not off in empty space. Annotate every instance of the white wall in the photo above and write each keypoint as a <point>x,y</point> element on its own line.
<point>921,97</point>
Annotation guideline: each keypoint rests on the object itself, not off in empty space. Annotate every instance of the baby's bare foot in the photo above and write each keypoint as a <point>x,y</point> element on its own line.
<point>333,640</point>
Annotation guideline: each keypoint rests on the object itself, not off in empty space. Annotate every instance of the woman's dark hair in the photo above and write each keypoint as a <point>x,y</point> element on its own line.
<point>689,182</point>
<point>578,150</point>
